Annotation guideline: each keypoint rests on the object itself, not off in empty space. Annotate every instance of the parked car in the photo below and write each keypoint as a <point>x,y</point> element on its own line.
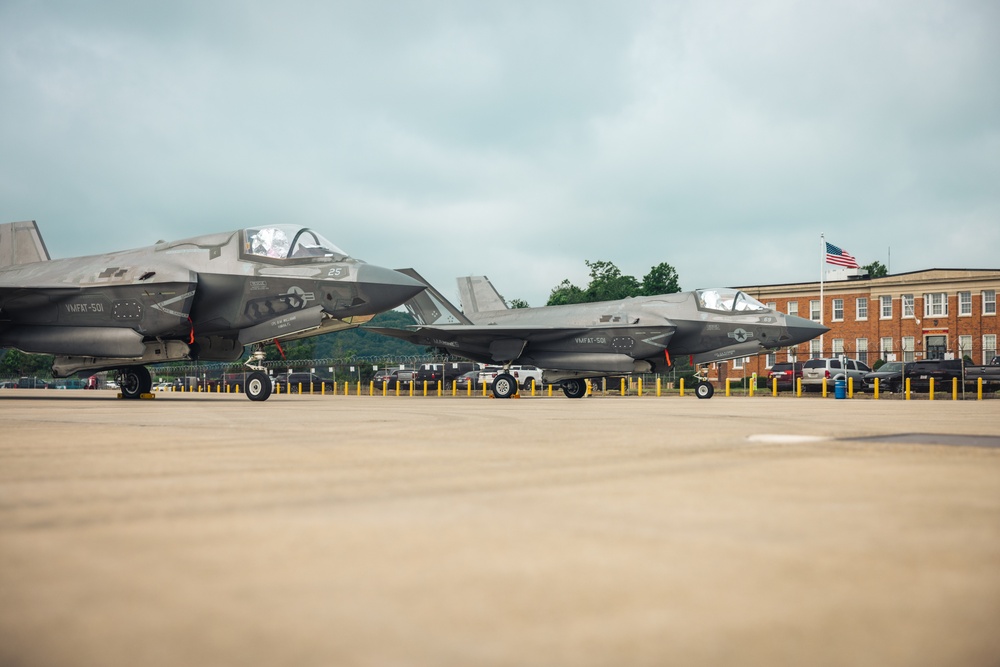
<point>382,376</point>
<point>446,372</point>
<point>817,372</point>
<point>523,374</point>
<point>310,382</point>
<point>465,379</point>
<point>889,375</point>
<point>785,373</point>
<point>402,376</point>
<point>941,370</point>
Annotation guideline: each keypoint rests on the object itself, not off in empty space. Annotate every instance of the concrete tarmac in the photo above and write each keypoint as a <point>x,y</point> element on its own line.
<point>209,530</point>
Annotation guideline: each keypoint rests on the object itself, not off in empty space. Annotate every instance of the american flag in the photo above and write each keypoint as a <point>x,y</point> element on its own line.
<point>840,257</point>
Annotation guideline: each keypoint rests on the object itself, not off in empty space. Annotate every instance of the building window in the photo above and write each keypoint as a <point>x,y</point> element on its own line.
<point>886,311</point>
<point>965,347</point>
<point>738,363</point>
<point>772,305</point>
<point>792,355</point>
<point>885,346</point>
<point>838,310</point>
<point>838,346</point>
<point>989,347</point>
<point>907,300</point>
<point>862,307</point>
<point>965,303</point>
<point>814,311</point>
<point>769,359</point>
<point>936,305</point>
<point>815,349</point>
<point>990,302</point>
<point>793,307</point>
<point>862,344</point>
<point>908,349</point>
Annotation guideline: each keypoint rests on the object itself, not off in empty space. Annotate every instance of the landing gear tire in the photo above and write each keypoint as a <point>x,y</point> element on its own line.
<point>258,386</point>
<point>575,388</point>
<point>704,390</point>
<point>134,381</point>
<point>504,385</point>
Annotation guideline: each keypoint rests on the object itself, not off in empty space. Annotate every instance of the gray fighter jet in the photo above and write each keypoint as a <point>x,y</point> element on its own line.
<point>576,342</point>
<point>201,298</point>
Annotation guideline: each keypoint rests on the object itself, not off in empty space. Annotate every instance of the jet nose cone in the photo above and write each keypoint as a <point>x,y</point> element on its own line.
<point>801,330</point>
<point>384,289</point>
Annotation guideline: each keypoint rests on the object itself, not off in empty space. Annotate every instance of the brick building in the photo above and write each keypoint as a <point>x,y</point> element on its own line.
<point>936,313</point>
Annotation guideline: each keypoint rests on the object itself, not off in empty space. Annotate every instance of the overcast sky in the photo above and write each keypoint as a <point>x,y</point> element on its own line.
<point>514,139</point>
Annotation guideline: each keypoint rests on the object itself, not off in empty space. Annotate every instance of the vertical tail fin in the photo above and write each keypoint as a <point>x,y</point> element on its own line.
<point>478,295</point>
<point>21,243</point>
<point>430,307</point>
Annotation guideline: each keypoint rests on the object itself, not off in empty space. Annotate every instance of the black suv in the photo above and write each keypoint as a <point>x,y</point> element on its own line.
<point>310,382</point>
<point>785,373</point>
<point>433,373</point>
<point>941,370</point>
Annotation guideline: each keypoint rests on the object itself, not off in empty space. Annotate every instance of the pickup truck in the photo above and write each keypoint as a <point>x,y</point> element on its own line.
<point>990,373</point>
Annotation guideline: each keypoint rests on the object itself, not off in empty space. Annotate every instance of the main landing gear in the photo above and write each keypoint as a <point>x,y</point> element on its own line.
<point>575,388</point>
<point>134,381</point>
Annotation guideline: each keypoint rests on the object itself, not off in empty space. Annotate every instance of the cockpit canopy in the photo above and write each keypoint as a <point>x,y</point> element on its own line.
<point>289,242</point>
<point>728,301</point>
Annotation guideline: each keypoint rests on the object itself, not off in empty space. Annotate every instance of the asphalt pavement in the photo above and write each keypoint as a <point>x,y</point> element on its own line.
<point>332,530</point>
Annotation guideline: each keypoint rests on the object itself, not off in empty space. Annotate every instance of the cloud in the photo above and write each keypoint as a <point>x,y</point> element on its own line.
<point>515,139</point>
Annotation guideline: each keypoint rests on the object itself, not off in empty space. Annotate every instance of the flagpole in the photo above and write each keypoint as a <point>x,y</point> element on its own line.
<point>822,265</point>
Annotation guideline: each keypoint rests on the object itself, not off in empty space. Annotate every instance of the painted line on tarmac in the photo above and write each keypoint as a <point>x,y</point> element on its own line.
<point>785,438</point>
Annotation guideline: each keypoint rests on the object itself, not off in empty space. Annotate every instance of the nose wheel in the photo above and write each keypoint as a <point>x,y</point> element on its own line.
<point>504,385</point>
<point>258,382</point>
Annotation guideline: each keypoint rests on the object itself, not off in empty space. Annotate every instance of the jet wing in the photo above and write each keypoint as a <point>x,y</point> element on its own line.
<point>477,333</point>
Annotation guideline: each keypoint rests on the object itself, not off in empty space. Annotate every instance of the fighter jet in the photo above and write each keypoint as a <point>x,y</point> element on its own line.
<point>575,342</point>
<point>202,298</point>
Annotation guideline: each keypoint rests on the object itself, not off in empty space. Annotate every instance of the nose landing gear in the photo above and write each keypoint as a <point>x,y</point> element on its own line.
<point>258,382</point>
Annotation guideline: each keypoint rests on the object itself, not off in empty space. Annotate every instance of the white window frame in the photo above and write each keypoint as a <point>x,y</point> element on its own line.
<point>793,355</point>
<point>989,302</point>
<point>739,363</point>
<point>909,349</point>
<point>885,347</point>
<point>814,311</point>
<point>861,308</point>
<point>989,347</point>
<point>861,346</point>
<point>936,304</point>
<point>838,346</point>
<point>885,307</point>
<point>964,347</point>
<point>770,358</point>
<point>793,308</point>
<point>908,306</point>
<point>815,349</point>
<point>838,305</point>
<point>965,304</point>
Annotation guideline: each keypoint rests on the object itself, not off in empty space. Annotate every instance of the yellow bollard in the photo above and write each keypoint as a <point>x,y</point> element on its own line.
<point>397,387</point>
<point>907,388</point>
<point>550,388</point>
<point>682,387</point>
<point>876,389</point>
<point>639,390</point>
<point>359,387</point>
<point>930,390</point>
<point>440,387</point>
<point>753,387</point>
<point>623,386</point>
<point>954,389</point>
<point>484,389</point>
<point>979,389</point>
<point>659,387</point>
<point>237,390</point>
<point>850,387</point>
<point>774,388</point>
<point>371,388</point>
<point>729,390</point>
<point>468,389</point>
<point>411,388</point>
<point>798,387</point>
<point>532,387</point>
<point>824,388</point>
<point>454,387</point>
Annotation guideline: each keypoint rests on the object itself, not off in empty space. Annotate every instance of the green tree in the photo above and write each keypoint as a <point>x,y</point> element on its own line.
<point>566,293</point>
<point>17,363</point>
<point>608,283</point>
<point>518,303</point>
<point>876,269</point>
<point>661,279</point>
